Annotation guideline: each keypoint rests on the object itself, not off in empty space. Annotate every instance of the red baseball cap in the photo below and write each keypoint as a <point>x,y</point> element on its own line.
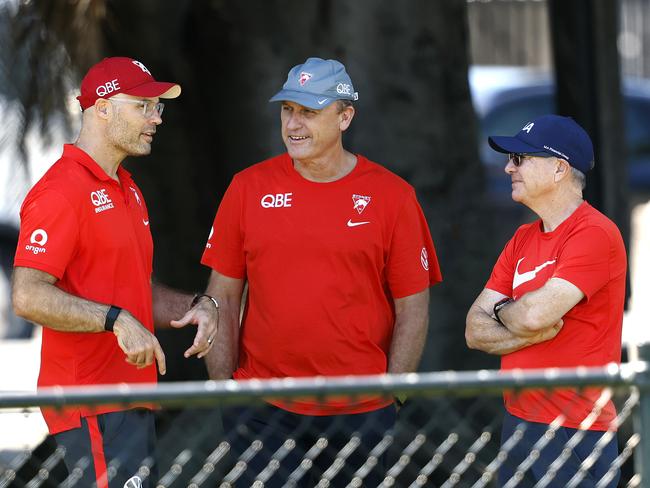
<point>122,75</point>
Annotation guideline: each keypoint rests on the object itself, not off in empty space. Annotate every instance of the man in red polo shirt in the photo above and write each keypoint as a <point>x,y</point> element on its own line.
<point>83,270</point>
<point>338,259</point>
<point>554,299</point>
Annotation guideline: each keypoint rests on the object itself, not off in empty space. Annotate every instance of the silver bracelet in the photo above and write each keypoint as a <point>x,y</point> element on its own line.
<point>198,297</point>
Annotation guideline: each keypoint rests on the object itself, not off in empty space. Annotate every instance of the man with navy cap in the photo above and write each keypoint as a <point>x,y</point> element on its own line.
<point>554,299</point>
<point>338,259</point>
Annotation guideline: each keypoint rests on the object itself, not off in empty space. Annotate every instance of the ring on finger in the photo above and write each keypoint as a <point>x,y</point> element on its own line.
<point>210,340</point>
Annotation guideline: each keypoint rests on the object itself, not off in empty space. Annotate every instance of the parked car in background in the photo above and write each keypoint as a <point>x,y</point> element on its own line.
<point>505,97</point>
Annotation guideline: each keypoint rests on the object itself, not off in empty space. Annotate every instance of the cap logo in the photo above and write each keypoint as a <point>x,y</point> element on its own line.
<point>343,89</point>
<point>108,87</point>
<point>559,153</point>
<point>304,78</point>
<point>142,67</point>
<point>528,126</point>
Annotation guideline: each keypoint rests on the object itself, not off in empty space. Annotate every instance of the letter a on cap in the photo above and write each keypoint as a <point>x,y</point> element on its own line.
<point>528,126</point>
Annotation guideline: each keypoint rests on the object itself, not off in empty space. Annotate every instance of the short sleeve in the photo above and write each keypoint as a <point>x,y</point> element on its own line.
<point>585,260</point>
<point>224,251</point>
<point>412,263</point>
<point>503,272</point>
<point>49,232</point>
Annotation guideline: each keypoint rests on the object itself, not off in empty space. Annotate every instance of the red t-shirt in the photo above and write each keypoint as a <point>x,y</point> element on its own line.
<point>324,262</point>
<point>586,250</point>
<point>92,233</point>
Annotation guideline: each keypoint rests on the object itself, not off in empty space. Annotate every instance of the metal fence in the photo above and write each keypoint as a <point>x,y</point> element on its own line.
<point>446,434</point>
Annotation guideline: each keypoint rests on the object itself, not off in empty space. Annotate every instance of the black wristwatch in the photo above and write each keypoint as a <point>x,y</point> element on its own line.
<point>111,317</point>
<point>499,305</point>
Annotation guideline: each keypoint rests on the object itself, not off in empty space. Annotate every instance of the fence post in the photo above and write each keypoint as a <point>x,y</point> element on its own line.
<point>642,420</point>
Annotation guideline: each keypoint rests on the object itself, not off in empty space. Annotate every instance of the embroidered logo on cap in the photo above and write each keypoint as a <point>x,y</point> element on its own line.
<point>304,77</point>
<point>142,67</point>
<point>528,126</point>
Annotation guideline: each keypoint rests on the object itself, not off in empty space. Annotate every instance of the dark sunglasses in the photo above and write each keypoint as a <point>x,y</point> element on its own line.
<point>518,158</point>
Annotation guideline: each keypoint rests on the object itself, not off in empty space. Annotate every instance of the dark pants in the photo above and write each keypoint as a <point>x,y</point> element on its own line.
<point>533,432</point>
<point>281,448</point>
<point>111,450</point>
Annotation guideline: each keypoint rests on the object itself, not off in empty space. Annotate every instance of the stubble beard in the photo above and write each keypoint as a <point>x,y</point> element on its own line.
<point>125,139</point>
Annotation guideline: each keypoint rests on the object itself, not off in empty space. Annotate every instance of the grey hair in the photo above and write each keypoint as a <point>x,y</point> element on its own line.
<point>579,178</point>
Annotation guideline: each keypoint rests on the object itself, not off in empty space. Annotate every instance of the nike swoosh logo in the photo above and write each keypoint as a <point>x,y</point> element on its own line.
<point>145,222</point>
<point>321,102</point>
<point>354,224</point>
<point>520,279</point>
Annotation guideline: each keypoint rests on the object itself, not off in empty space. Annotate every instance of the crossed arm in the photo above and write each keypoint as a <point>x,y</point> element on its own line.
<point>36,298</point>
<point>533,318</point>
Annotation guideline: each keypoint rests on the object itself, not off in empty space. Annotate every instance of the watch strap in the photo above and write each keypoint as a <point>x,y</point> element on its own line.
<point>111,317</point>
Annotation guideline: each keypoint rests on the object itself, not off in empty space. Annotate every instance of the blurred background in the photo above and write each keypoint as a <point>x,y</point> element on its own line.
<point>434,79</point>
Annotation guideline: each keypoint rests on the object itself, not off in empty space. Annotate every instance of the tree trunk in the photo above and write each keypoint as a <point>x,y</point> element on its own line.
<point>414,115</point>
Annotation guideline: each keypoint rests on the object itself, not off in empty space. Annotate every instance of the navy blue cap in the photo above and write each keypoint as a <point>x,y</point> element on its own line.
<point>551,134</point>
<point>316,83</point>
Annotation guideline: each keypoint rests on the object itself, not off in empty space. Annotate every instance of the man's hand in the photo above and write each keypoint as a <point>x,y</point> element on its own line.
<point>139,345</point>
<point>546,334</point>
<point>205,314</point>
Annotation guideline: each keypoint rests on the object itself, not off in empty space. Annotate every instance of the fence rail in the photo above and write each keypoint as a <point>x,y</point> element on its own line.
<point>457,383</point>
<point>446,435</point>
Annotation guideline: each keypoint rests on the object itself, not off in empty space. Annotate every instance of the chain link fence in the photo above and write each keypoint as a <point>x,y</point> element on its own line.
<point>447,433</point>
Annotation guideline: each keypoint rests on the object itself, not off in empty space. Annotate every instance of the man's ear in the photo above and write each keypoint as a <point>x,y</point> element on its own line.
<point>562,170</point>
<point>102,107</point>
<point>346,117</point>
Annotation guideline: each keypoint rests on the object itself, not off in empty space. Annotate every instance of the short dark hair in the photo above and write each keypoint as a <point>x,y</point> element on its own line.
<point>342,104</point>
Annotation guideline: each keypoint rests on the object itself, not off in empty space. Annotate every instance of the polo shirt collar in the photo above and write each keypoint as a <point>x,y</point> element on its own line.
<point>82,157</point>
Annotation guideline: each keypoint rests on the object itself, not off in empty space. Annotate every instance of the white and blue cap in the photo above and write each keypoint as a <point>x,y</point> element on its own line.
<point>316,83</point>
<point>554,135</point>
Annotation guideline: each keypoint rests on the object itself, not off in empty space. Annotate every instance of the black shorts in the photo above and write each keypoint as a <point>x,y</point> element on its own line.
<point>280,464</point>
<point>111,450</point>
<point>532,432</point>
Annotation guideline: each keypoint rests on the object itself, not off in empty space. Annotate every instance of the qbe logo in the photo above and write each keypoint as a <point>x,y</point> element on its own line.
<point>107,88</point>
<point>38,237</point>
<point>101,200</point>
<point>343,89</point>
<point>276,200</point>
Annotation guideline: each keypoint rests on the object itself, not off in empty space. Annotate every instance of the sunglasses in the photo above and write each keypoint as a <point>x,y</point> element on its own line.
<point>518,158</point>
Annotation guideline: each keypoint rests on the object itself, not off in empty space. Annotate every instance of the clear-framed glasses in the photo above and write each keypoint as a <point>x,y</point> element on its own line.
<point>148,106</point>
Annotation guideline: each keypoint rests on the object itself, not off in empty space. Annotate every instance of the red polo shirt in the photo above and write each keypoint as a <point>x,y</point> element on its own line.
<point>92,233</point>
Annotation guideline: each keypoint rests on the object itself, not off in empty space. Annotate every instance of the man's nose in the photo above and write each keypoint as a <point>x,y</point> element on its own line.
<point>294,121</point>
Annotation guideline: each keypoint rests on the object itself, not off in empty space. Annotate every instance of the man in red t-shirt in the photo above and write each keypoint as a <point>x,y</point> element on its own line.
<point>83,270</point>
<point>338,259</point>
<point>554,299</point>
